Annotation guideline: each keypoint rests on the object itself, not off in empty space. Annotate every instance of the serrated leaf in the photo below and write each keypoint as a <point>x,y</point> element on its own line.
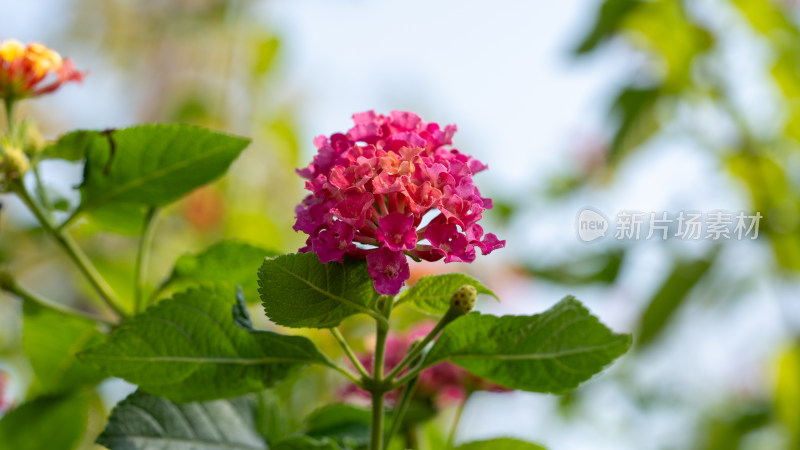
<point>432,294</point>
<point>549,352</point>
<point>189,348</point>
<point>500,444</point>
<point>47,422</point>
<point>51,340</point>
<point>299,291</point>
<point>154,165</point>
<point>231,262</point>
<point>142,421</point>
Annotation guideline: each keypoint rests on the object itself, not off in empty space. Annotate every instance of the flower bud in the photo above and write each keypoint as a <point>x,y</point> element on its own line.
<point>14,163</point>
<point>464,299</point>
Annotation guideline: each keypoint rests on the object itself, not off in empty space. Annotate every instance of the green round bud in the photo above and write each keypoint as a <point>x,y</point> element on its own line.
<point>15,163</point>
<point>464,299</point>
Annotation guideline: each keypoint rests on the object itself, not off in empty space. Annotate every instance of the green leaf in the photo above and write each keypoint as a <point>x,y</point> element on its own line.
<point>231,262</point>
<point>600,268</point>
<point>609,19</point>
<point>432,294</point>
<point>306,443</point>
<point>346,424</point>
<point>50,341</point>
<point>661,308</point>
<point>500,444</point>
<point>142,421</point>
<point>47,422</point>
<point>189,348</point>
<point>635,109</point>
<point>549,352</point>
<point>71,146</point>
<point>154,165</point>
<point>299,291</point>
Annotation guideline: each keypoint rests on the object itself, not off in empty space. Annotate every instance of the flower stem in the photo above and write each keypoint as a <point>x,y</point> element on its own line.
<point>400,410</point>
<point>456,421</point>
<point>378,391</point>
<point>349,352</point>
<point>86,267</point>
<point>9,285</point>
<point>142,258</point>
<point>415,351</point>
<point>9,104</point>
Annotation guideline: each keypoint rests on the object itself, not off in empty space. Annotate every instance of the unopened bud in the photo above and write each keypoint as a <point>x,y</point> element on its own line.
<point>32,139</point>
<point>15,163</point>
<point>464,299</point>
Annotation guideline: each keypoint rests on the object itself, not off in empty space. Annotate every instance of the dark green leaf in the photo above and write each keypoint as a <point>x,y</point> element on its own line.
<point>635,108</point>
<point>299,291</point>
<point>602,268</point>
<point>189,348</point>
<point>661,308</point>
<point>342,423</point>
<point>50,340</point>
<point>47,422</point>
<point>154,165</point>
<point>231,262</point>
<point>142,421</point>
<point>500,444</point>
<point>549,352</point>
<point>306,443</point>
<point>432,294</point>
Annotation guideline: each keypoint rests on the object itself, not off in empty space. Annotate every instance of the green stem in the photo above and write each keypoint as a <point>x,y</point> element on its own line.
<point>456,421</point>
<point>40,191</point>
<point>9,103</point>
<point>351,376</point>
<point>349,352</point>
<point>401,409</point>
<point>145,242</point>
<point>379,390</point>
<point>415,351</point>
<point>12,287</point>
<point>68,244</point>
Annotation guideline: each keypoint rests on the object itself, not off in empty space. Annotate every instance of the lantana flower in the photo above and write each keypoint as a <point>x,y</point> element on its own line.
<point>391,187</point>
<point>32,70</point>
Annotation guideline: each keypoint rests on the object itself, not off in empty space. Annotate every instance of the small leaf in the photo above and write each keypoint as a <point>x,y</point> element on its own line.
<point>500,444</point>
<point>72,146</point>
<point>299,291</point>
<point>47,422</point>
<point>549,352</point>
<point>142,421</point>
<point>599,268</point>
<point>189,348</point>
<point>608,21</point>
<point>50,341</point>
<point>432,294</point>
<point>231,262</point>
<point>154,165</point>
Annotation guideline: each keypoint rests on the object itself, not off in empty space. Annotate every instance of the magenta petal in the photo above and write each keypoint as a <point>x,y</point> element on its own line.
<point>388,270</point>
<point>331,243</point>
<point>491,243</point>
<point>354,208</point>
<point>397,232</point>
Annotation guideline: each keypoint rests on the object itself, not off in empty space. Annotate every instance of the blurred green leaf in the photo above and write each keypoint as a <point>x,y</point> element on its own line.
<point>549,352</point>
<point>669,297</point>
<point>51,340</point>
<point>299,291</point>
<point>154,165</point>
<point>272,416</point>
<point>500,444</point>
<point>283,133</point>
<point>142,421</point>
<point>345,424</point>
<point>307,443</point>
<point>56,422</point>
<point>231,262</point>
<point>729,431</point>
<point>71,146</point>
<point>265,50</point>
<point>189,348</point>
<point>607,23</point>
<point>432,293</point>
<point>787,392</point>
<point>600,268</point>
<point>635,109</point>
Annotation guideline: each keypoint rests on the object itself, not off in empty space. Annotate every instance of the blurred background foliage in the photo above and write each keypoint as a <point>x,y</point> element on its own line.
<point>213,63</point>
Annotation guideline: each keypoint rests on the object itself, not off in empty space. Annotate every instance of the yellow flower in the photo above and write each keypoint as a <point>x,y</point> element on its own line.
<point>33,70</point>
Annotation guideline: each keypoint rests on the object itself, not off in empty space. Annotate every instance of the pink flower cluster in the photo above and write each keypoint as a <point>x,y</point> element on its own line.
<point>444,383</point>
<point>372,186</point>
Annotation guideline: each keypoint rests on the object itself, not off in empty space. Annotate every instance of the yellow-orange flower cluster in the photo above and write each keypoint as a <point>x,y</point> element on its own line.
<point>32,70</point>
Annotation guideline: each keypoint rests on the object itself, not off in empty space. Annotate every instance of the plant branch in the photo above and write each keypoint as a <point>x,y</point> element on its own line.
<point>416,350</point>
<point>350,375</point>
<point>9,104</point>
<point>75,253</point>
<point>12,287</point>
<point>456,421</point>
<point>142,258</point>
<point>378,388</point>
<point>349,352</point>
<point>401,409</point>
